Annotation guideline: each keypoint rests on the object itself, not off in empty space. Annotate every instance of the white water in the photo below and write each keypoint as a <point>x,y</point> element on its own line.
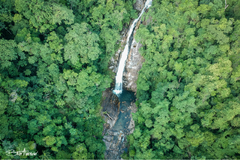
<point>121,66</point>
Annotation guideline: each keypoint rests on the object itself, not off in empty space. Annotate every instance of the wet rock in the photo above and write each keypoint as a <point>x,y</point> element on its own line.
<point>108,138</point>
<point>106,126</point>
<point>139,5</point>
<point>133,65</point>
<point>110,109</point>
<point>108,144</point>
<point>116,136</point>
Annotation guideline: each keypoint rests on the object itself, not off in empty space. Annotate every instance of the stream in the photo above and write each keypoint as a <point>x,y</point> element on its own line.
<point>119,105</point>
<point>115,137</point>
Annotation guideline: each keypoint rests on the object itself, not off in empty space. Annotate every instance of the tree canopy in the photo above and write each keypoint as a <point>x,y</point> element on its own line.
<point>54,67</point>
<point>188,87</point>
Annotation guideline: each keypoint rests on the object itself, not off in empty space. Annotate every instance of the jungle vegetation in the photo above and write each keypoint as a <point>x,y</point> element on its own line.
<point>188,87</point>
<point>54,66</point>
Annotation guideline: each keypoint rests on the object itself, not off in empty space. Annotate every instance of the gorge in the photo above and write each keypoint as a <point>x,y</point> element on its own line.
<point>118,108</point>
<point>119,76</point>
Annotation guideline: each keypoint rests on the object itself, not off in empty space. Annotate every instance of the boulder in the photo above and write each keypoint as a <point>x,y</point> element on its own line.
<point>139,5</point>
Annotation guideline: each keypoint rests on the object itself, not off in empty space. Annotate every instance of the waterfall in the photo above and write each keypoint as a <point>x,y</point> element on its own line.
<point>121,66</point>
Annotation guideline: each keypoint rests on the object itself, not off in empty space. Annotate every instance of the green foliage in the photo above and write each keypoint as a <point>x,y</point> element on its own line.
<point>187,88</point>
<point>8,53</point>
<point>54,57</point>
<point>82,44</point>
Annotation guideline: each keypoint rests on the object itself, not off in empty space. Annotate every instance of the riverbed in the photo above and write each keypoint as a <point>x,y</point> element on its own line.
<point>115,136</point>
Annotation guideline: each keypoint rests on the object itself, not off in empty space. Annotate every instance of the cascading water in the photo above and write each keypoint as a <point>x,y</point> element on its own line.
<point>118,84</point>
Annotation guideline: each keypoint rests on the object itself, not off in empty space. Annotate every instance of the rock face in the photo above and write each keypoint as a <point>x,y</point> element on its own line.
<point>119,123</point>
<point>135,60</point>
<point>110,109</point>
<point>118,115</point>
<point>139,5</point>
<point>133,65</point>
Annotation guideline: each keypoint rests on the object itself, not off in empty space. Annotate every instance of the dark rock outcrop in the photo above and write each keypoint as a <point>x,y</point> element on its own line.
<point>110,109</point>
<point>118,127</point>
<point>139,5</point>
<point>118,115</point>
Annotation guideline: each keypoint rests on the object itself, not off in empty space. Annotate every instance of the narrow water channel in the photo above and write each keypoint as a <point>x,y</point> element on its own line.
<point>116,137</point>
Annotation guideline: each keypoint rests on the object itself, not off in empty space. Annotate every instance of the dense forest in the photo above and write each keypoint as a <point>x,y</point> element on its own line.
<point>54,66</point>
<point>188,88</point>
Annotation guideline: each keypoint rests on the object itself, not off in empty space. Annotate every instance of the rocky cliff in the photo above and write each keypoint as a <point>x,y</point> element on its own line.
<point>134,61</point>
<point>118,114</point>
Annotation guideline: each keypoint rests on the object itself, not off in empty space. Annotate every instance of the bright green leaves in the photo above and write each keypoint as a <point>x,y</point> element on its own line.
<point>53,70</point>
<point>109,15</point>
<point>146,110</point>
<point>185,103</point>
<point>115,19</point>
<point>81,44</point>
<point>164,90</point>
<point>149,123</point>
<point>195,138</point>
<point>8,53</point>
<point>193,79</point>
<point>21,35</point>
<point>143,35</point>
<point>43,76</point>
<point>236,122</point>
<point>4,126</point>
<point>17,18</point>
<point>33,127</point>
<point>43,119</point>
<point>27,72</point>
<point>35,51</point>
<point>50,140</point>
<point>221,69</point>
<point>3,102</point>
<point>158,130</point>
<point>231,109</point>
<point>179,131</point>
<point>70,76</point>
<point>236,32</point>
<point>97,14</point>
<point>83,81</point>
<point>43,15</point>
<point>51,75</point>
<point>137,132</point>
<point>210,52</point>
<point>61,13</point>
<point>161,108</point>
<point>236,74</point>
<point>81,152</point>
<point>49,130</point>
<point>110,37</point>
<point>54,42</point>
<point>142,84</point>
<point>178,67</point>
<point>216,30</point>
<point>21,5</point>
